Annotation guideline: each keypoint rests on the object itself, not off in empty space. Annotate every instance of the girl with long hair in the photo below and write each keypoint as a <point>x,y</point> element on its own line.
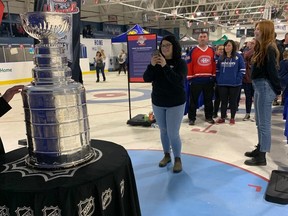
<point>266,85</point>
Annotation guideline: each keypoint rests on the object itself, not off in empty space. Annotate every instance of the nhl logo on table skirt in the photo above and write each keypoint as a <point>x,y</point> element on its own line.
<point>24,211</point>
<point>106,198</point>
<point>86,207</point>
<point>4,211</point>
<point>51,211</point>
<point>122,188</point>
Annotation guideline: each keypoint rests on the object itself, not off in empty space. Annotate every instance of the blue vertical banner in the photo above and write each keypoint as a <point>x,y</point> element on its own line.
<point>71,42</point>
<point>140,48</point>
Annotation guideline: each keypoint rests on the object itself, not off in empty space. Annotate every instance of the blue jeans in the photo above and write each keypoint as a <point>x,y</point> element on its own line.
<point>169,120</point>
<point>263,98</point>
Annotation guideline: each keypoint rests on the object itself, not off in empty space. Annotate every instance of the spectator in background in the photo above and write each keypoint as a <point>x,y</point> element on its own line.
<point>201,77</point>
<point>104,59</point>
<point>122,61</point>
<point>21,32</point>
<point>229,73</point>
<point>282,45</point>
<point>15,30</point>
<point>85,32</point>
<point>244,47</point>
<point>218,53</point>
<point>283,73</point>
<point>99,66</point>
<point>266,86</point>
<point>247,82</point>
<point>238,47</point>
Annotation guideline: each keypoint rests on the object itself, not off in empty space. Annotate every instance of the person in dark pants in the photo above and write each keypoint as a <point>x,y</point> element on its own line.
<point>104,59</point>
<point>99,64</point>
<point>201,77</point>
<point>218,53</point>
<point>247,82</point>
<point>229,73</point>
<point>122,62</point>
<point>283,73</point>
<point>5,107</point>
<point>282,45</point>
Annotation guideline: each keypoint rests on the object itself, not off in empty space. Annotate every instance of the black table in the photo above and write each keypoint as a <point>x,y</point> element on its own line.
<point>104,186</point>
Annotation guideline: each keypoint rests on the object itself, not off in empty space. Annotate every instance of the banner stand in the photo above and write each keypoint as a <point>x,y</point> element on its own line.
<point>140,48</point>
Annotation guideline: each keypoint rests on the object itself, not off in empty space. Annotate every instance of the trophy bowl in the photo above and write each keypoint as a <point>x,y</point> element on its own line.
<point>46,25</point>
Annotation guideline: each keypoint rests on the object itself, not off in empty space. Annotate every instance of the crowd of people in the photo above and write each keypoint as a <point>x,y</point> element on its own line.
<point>219,73</point>
<point>99,63</point>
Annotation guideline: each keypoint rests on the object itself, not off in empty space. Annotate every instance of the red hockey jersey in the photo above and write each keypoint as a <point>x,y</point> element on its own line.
<point>201,63</point>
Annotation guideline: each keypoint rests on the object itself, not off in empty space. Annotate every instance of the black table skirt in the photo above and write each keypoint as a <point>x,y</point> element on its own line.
<point>104,186</point>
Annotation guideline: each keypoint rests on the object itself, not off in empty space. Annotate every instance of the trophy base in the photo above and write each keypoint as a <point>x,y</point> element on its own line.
<point>56,162</point>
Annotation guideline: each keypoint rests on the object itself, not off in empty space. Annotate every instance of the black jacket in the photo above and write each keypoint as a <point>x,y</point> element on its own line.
<point>168,83</point>
<point>268,71</point>
<point>281,47</point>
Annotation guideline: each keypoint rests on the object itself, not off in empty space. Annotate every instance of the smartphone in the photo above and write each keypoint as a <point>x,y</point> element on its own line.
<point>156,53</point>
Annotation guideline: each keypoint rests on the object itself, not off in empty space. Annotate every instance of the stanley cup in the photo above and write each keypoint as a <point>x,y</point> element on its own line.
<point>55,109</point>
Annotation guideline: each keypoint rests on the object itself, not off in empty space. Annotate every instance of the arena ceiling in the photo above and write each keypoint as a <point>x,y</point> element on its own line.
<point>173,13</point>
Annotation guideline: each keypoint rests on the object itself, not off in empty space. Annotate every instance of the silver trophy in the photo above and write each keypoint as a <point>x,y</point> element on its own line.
<point>55,109</point>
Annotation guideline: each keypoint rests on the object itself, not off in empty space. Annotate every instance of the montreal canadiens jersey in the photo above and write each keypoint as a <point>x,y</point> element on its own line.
<point>201,62</point>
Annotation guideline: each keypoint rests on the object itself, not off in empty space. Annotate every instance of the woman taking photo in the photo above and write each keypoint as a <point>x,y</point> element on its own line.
<point>266,86</point>
<point>167,72</point>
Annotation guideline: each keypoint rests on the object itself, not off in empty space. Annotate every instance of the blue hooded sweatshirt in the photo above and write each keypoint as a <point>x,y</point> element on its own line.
<point>230,71</point>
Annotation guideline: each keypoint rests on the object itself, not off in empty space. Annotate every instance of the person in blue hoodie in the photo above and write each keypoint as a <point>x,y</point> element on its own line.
<point>230,69</point>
